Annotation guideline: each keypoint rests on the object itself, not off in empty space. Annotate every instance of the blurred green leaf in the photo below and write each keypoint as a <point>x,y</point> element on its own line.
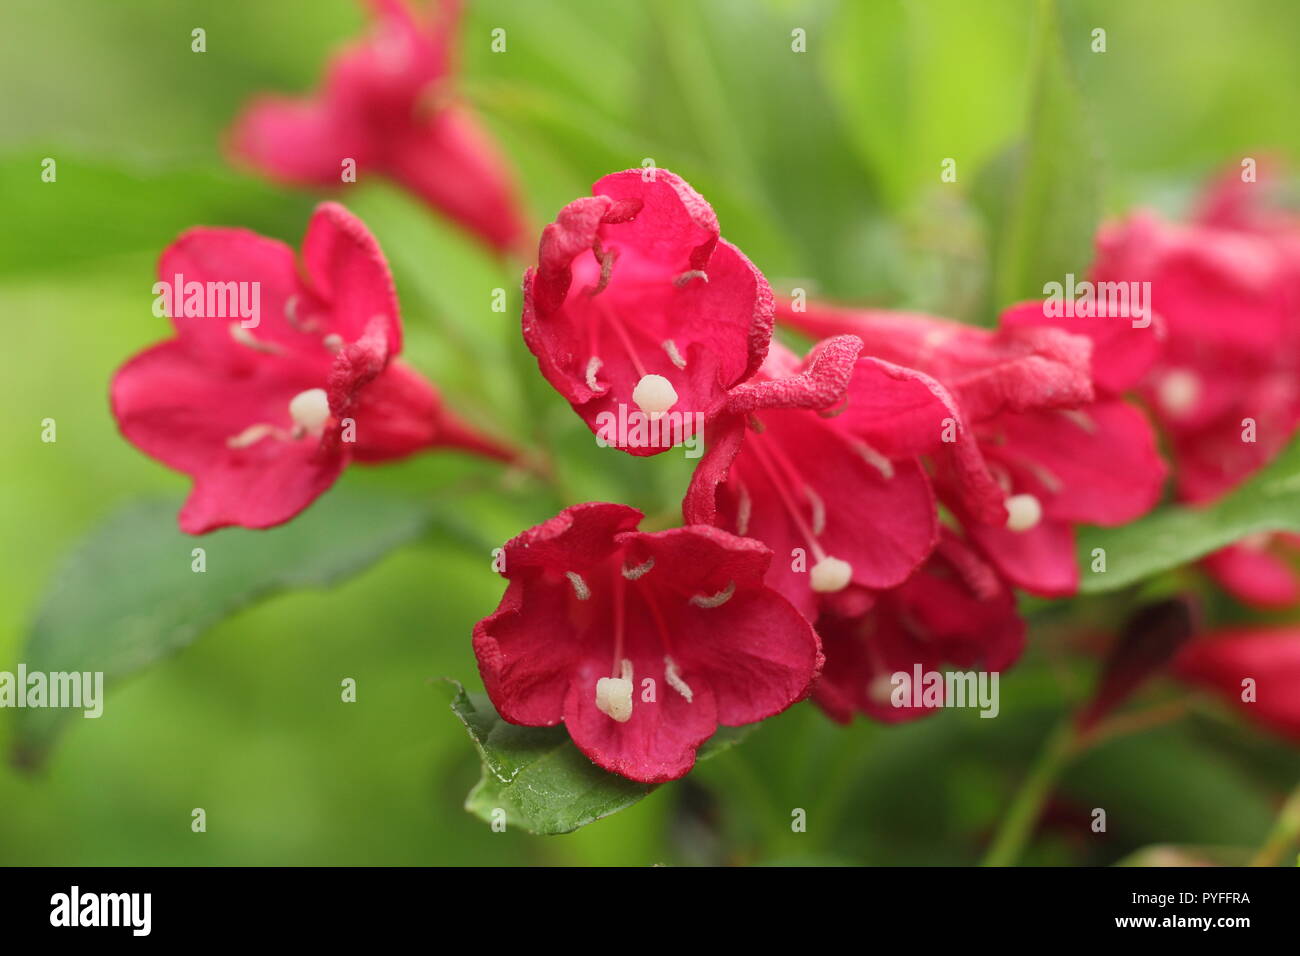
<point>128,597</point>
<point>1055,199</point>
<point>540,779</point>
<point>1177,534</point>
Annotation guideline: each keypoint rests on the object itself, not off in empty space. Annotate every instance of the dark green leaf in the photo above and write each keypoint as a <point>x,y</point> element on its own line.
<point>540,779</point>
<point>128,597</point>
<point>1176,534</point>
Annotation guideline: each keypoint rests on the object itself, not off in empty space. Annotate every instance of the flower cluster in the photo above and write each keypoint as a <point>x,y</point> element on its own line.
<point>866,509</point>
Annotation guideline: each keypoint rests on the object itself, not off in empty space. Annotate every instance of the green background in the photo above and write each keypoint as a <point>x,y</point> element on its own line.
<point>822,166</point>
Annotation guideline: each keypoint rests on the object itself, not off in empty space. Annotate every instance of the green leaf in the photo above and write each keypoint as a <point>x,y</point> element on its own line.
<point>128,597</point>
<point>1177,534</point>
<point>1055,198</point>
<point>540,779</point>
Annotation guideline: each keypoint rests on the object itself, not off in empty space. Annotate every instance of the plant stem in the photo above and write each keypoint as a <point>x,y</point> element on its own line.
<point>1285,833</point>
<point>1018,824</point>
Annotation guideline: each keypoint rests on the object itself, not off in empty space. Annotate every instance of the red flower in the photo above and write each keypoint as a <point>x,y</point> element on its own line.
<point>1226,388</point>
<point>1255,670</point>
<point>641,644</point>
<point>840,500</point>
<point>264,412</point>
<point>386,103</point>
<point>637,304</point>
<point>954,610</point>
<point>1048,452</point>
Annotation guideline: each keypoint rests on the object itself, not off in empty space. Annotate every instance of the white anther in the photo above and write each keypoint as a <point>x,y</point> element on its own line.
<point>654,395</point>
<point>1178,391</point>
<point>875,459</point>
<point>715,600</point>
<point>818,510</point>
<point>333,342</point>
<point>674,678</point>
<point>593,366</point>
<point>614,695</point>
<point>245,338</point>
<point>251,436</point>
<point>690,274</point>
<point>579,586</point>
<point>674,356</point>
<point>830,574</point>
<point>310,410</point>
<point>744,509</point>
<point>633,573</point>
<point>1023,512</point>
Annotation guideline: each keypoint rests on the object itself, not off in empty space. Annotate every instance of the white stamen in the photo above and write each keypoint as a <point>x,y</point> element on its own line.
<point>633,574</point>
<point>333,342</point>
<point>245,337</point>
<point>654,395</point>
<point>250,436</point>
<point>1179,391</point>
<point>687,276</point>
<point>1082,419</point>
<point>1023,512</point>
<point>614,695</point>
<point>674,678</point>
<point>875,459</point>
<point>744,509</point>
<point>715,600</point>
<point>818,510</point>
<point>593,366</point>
<point>674,356</point>
<point>830,574</point>
<point>579,586</point>
<point>310,410</point>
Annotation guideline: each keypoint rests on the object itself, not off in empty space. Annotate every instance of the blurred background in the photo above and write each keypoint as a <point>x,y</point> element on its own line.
<point>822,166</point>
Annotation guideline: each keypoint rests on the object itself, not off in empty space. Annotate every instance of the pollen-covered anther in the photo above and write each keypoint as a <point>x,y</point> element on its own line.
<point>654,395</point>
<point>1178,391</point>
<point>830,574</point>
<point>674,678</point>
<point>310,410</point>
<point>715,600</point>
<point>580,589</point>
<point>690,274</point>
<point>244,337</point>
<point>614,695</point>
<point>593,366</point>
<point>674,355</point>
<point>1023,512</point>
<point>633,574</point>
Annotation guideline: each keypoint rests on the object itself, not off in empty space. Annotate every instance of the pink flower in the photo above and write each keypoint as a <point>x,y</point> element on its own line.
<point>818,460</point>
<point>641,644</point>
<point>1226,387</point>
<point>1256,670</point>
<point>637,305</point>
<point>387,105</point>
<point>954,610</point>
<point>264,413</point>
<point>1036,449</point>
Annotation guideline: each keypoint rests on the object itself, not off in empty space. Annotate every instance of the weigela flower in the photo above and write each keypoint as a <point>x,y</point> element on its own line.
<point>1038,449</point>
<point>1256,670</point>
<point>387,105</point>
<point>265,414</point>
<point>637,306</point>
<point>818,460</point>
<point>1226,388</point>
<point>955,610</point>
<point>640,644</point>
